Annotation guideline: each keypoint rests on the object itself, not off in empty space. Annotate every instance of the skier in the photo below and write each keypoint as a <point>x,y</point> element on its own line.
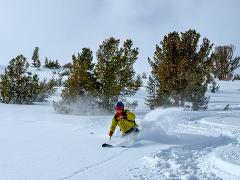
<point>124,119</point>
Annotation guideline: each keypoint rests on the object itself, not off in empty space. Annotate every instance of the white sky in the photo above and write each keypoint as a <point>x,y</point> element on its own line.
<point>61,28</point>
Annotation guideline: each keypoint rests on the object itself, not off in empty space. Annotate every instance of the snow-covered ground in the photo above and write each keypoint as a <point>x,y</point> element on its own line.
<point>39,144</point>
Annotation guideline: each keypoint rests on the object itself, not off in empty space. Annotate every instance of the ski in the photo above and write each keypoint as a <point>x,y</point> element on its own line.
<point>109,145</point>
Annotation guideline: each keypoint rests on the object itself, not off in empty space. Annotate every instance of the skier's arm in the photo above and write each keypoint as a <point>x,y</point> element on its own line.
<point>131,116</point>
<point>113,125</point>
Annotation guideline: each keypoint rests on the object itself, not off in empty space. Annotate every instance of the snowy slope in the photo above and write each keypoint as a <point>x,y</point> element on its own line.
<point>209,141</point>
<point>42,72</point>
<point>37,143</point>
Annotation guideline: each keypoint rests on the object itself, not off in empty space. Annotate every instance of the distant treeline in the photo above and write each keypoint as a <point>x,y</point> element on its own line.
<point>182,68</point>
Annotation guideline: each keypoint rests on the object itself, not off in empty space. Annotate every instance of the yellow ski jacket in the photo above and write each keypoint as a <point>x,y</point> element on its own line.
<point>125,124</point>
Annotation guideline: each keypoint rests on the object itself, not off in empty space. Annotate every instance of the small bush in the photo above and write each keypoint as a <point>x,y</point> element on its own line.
<point>67,66</point>
<point>46,89</point>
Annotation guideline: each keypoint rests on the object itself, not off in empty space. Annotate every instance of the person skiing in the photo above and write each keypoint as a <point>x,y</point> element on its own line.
<point>124,119</point>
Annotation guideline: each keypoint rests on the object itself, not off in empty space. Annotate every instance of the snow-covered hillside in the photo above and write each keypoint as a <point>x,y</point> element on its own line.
<point>37,143</point>
<point>42,72</point>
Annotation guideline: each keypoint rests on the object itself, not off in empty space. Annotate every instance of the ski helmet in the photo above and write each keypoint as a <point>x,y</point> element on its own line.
<point>119,105</point>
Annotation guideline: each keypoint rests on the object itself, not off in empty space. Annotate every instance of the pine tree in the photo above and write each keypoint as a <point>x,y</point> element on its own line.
<point>35,57</point>
<point>81,81</point>
<point>114,70</point>
<point>56,64</point>
<point>17,86</point>
<point>46,62</point>
<point>79,94</point>
<point>224,63</point>
<point>156,97</point>
<point>180,71</point>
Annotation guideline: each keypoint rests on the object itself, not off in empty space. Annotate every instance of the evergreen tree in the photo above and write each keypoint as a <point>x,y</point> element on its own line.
<point>51,64</point>
<point>79,94</point>
<point>46,62</point>
<point>81,81</point>
<point>17,86</point>
<point>224,63</point>
<point>114,70</point>
<point>156,97</point>
<point>35,57</point>
<point>180,71</point>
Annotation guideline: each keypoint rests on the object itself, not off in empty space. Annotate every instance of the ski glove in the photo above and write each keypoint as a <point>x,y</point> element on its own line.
<point>110,133</point>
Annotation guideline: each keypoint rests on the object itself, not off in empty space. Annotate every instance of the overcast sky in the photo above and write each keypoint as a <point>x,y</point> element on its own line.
<point>61,28</point>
